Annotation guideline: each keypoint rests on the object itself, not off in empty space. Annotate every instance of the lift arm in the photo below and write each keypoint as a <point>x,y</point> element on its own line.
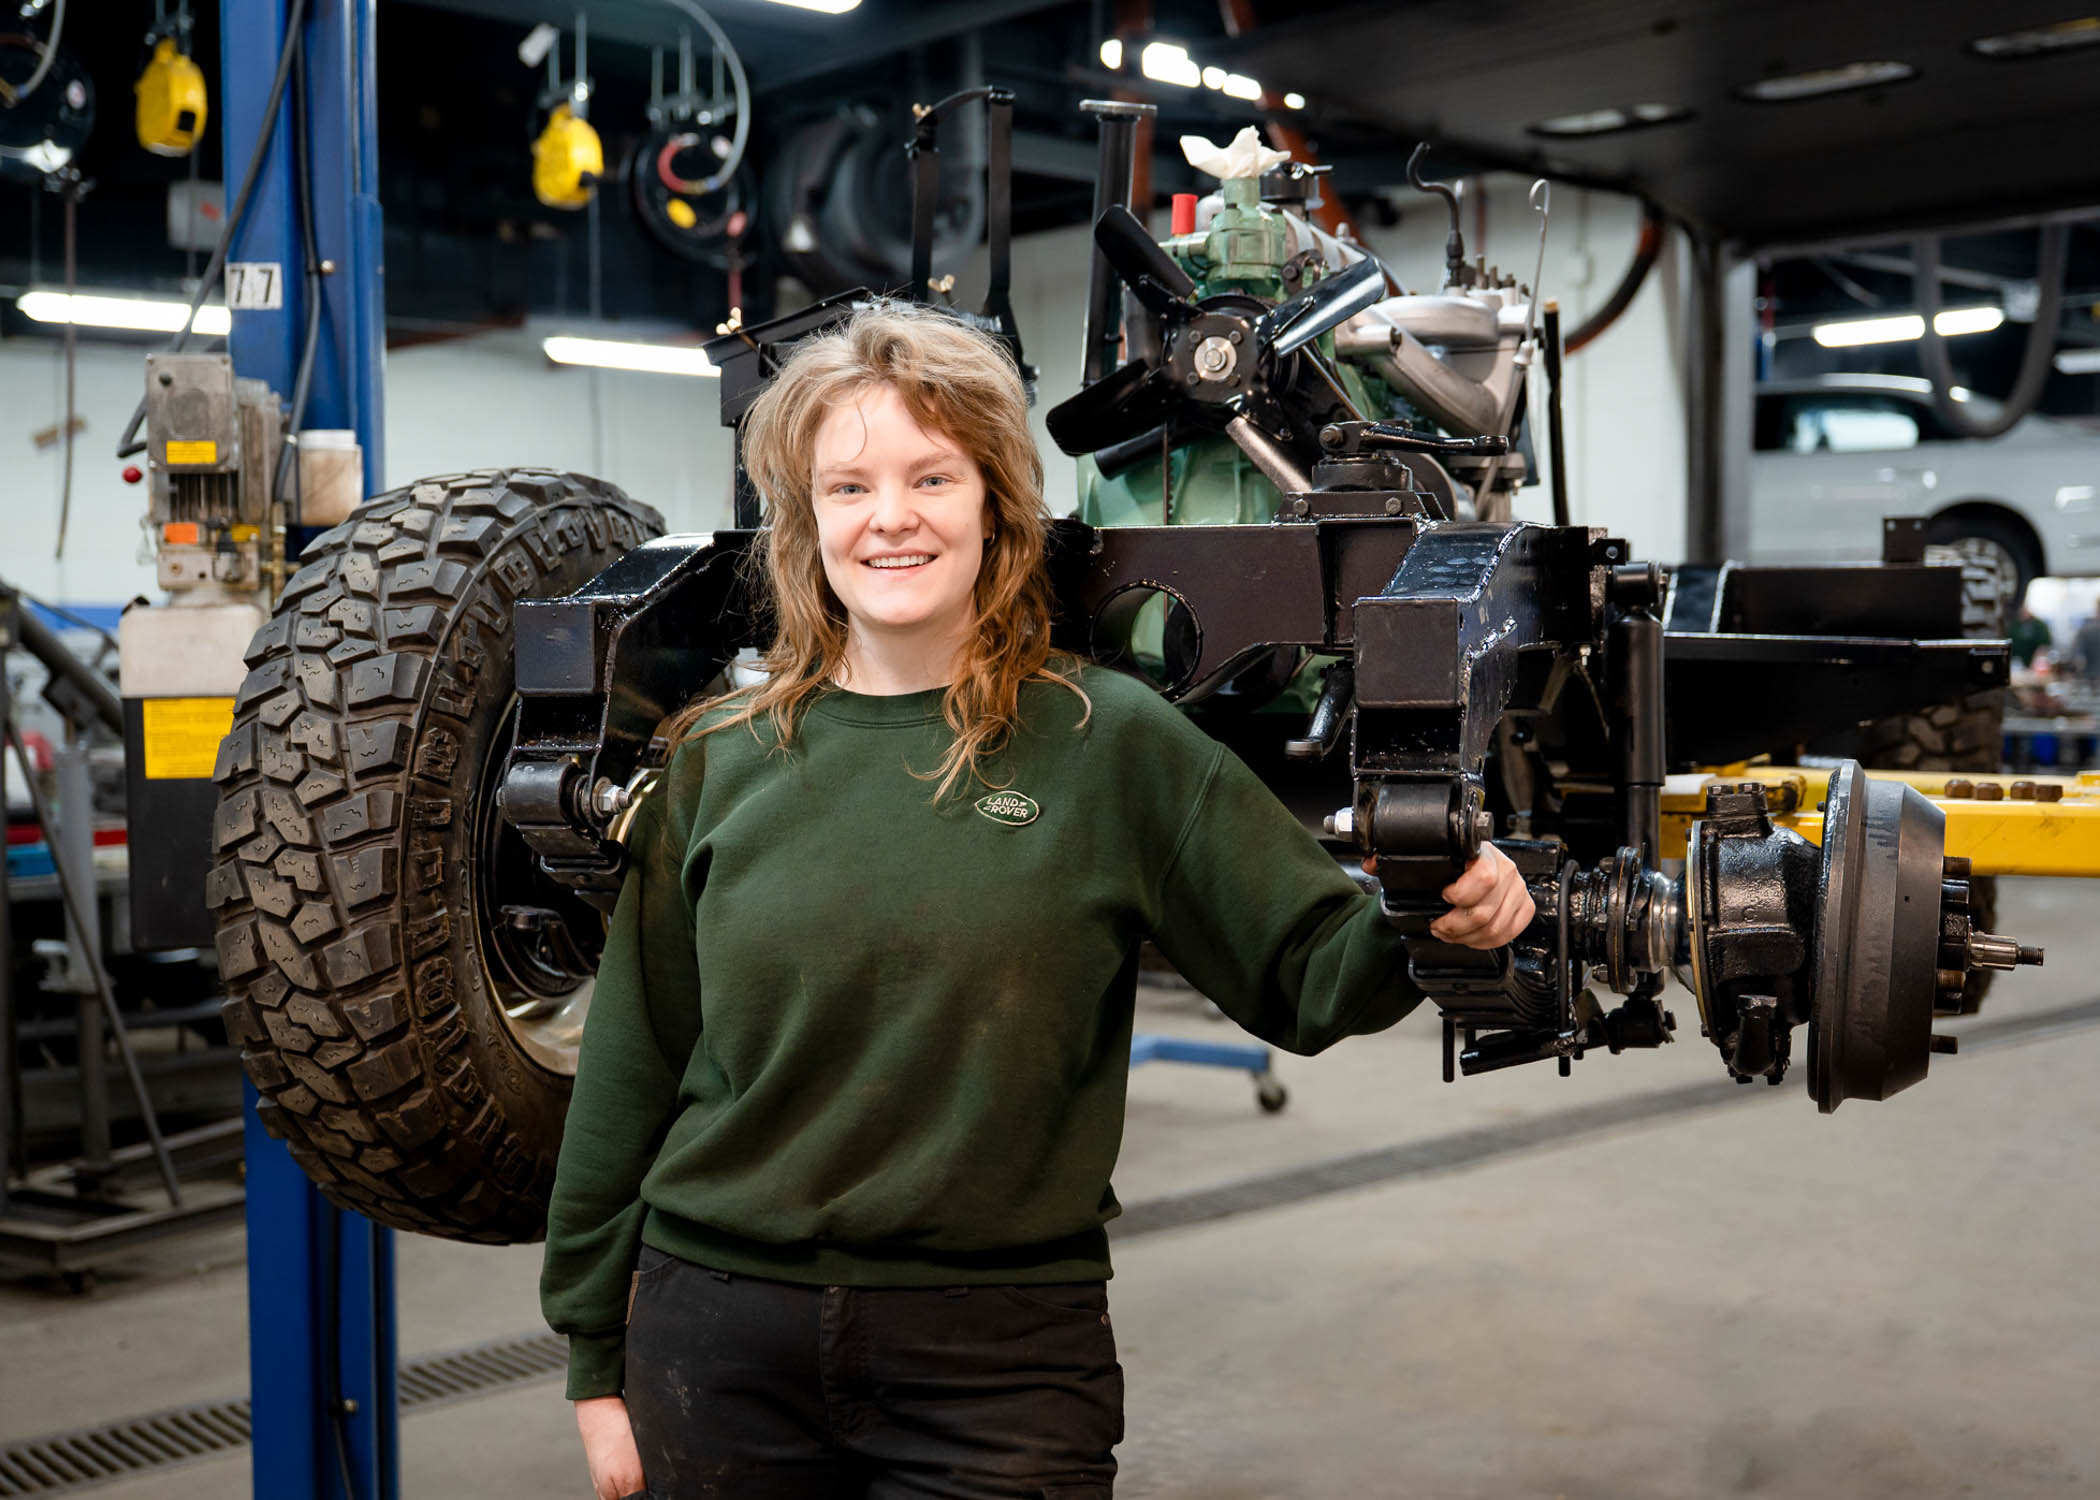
<point>2003,825</point>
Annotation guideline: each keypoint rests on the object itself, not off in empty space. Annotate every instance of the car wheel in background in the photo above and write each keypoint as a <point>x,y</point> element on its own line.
<point>1999,544</point>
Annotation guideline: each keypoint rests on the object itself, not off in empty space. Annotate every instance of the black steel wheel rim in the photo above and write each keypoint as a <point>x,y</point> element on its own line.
<point>541,942</point>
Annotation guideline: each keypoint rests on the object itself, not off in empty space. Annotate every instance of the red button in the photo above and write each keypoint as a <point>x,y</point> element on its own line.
<point>133,473</point>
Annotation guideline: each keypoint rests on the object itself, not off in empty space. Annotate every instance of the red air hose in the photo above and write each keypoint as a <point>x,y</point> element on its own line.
<point>1645,251</point>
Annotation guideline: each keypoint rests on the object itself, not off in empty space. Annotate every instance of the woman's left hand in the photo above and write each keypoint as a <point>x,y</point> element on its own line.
<point>1489,904</point>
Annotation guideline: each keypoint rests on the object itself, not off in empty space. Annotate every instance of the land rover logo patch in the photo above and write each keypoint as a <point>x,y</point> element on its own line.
<point>1011,808</point>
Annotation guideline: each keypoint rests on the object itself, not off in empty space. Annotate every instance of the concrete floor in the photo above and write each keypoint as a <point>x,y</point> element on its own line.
<point>1639,1282</point>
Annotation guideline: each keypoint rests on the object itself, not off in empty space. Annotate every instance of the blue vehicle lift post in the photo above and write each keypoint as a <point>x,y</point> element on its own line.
<point>321,1345</point>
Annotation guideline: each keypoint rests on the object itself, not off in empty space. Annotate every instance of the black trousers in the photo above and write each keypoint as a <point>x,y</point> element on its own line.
<point>741,1388</point>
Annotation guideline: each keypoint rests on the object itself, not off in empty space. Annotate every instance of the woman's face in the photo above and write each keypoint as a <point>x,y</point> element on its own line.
<point>902,521</point>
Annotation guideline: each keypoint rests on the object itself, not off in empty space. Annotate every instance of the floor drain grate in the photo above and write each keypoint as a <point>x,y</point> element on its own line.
<point>437,1379</point>
<point>63,1462</point>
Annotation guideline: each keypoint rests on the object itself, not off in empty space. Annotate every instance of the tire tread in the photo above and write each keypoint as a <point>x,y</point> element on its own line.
<point>336,809</point>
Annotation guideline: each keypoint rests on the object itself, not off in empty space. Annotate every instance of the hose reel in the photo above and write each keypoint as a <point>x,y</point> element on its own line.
<point>684,173</point>
<point>41,129</point>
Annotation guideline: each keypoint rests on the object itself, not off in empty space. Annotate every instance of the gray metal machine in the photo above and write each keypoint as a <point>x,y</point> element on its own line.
<point>213,447</point>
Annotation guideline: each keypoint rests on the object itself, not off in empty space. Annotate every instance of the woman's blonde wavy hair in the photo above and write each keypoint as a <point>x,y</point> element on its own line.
<point>961,385</point>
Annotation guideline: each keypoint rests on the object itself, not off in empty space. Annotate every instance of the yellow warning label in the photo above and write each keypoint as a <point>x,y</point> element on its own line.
<point>182,736</point>
<point>203,451</point>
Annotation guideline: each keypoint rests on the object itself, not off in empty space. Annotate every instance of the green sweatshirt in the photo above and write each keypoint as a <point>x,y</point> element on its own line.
<point>843,1035</point>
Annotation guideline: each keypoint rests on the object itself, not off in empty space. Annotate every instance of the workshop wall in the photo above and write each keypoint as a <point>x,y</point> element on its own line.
<point>493,399</point>
<point>101,565</point>
<point>1623,403</point>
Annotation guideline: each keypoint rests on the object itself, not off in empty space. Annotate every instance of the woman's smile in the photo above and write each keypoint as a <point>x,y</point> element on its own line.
<point>898,561</point>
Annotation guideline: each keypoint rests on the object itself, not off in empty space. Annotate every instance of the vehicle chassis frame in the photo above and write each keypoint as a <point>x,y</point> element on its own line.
<point>1454,632</point>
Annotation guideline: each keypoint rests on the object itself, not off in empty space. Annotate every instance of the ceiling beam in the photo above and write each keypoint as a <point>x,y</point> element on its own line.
<point>646,23</point>
<point>1903,265</point>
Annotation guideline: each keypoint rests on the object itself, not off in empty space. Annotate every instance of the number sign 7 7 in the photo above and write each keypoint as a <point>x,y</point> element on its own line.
<point>254,285</point>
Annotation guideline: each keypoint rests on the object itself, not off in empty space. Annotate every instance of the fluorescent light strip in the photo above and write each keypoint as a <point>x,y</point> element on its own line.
<point>144,314</point>
<point>1952,323</point>
<point>2040,41</point>
<point>616,354</point>
<point>1168,62</point>
<point>827,7</point>
<point>2078,361</point>
<point>1605,121</point>
<point>1824,81</point>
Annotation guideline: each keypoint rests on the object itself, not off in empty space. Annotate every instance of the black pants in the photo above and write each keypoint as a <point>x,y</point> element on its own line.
<point>747,1389</point>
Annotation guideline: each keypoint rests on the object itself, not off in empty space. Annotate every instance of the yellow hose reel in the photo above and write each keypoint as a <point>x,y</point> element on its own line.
<point>170,101</point>
<point>567,160</point>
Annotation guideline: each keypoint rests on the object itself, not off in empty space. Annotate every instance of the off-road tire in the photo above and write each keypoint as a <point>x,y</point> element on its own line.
<point>1992,543</point>
<point>1964,736</point>
<point>358,990</point>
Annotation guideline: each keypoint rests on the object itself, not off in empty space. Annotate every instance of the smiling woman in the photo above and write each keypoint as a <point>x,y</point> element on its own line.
<point>830,1213</point>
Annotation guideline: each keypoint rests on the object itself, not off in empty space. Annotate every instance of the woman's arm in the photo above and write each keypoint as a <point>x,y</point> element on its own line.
<point>644,1023</point>
<point>1256,914</point>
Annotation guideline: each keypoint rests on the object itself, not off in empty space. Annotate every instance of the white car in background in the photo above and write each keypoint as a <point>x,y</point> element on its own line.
<point>1834,454</point>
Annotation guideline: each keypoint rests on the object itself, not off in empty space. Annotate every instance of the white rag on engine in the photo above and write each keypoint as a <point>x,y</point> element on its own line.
<point>1245,157</point>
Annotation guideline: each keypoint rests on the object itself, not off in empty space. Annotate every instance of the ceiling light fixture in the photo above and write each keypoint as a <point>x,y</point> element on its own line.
<point>618,354</point>
<point>1168,62</point>
<point>2039,41</point>
<point>827,7</point>
<point>1240,86</point>
<point>1294,101</point>
<point>1952,323</point>
<point>101,310</point>
<point>2078,361</point>
<point>1817,82</point>
<point>1605,121</point>
<point>1112,52</point>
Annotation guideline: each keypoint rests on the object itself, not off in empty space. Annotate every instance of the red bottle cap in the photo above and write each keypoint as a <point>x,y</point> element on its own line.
<point>133,473</point>
<point>1184,213</point>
